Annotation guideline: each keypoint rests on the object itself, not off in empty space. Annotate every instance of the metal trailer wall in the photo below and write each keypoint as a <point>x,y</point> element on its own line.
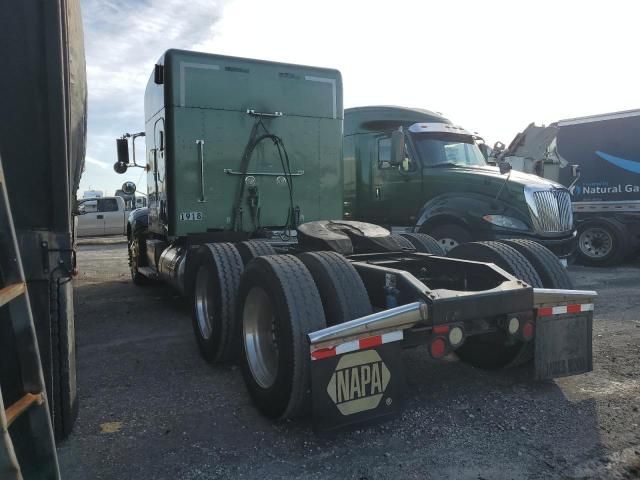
<point>608,152</point>
<point>43,94</point>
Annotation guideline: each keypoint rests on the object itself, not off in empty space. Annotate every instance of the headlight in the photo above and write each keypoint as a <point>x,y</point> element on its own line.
<point>506,222</point>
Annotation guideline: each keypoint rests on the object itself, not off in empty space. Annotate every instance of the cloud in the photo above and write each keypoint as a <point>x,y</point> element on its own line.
<point>98,163</point>
<point>123,40</point>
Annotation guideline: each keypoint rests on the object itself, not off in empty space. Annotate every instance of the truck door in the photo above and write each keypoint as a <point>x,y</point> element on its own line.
<point>111,216</point>
<point>88,223</point>
<point>395,190</point>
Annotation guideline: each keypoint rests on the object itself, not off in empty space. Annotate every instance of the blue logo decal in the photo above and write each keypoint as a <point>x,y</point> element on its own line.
<point>628,165</point>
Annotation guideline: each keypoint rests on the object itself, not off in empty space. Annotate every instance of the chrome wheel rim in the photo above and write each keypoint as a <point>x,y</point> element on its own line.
<point>447,243</point>
<point>204,302</point>
<point>595,242</point>
<point>261,347</point>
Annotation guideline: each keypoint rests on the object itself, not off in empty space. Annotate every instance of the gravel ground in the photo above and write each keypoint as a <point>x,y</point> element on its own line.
<point>151,408</point>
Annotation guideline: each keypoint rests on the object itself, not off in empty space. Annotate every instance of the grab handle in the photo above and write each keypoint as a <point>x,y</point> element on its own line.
<point>200,144</point>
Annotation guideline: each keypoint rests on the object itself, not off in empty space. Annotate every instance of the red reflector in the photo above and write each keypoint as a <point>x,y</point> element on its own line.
<point>527,330</point>
<point>323,353</point>
<point>574,308</point>
<point>545,312</point>
<point>440,329</point>
<point>438,347</point>
<point>370,342</point>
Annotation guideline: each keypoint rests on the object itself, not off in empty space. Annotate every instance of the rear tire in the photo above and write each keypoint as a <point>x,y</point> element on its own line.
<point>424,243</point>
<point>254,248</point>
<point>401,242</point>
<point>450,235</point>
<point>497,349</point>
<point>552,273</point>
<point>602,242</point>
<point>217,276</point>
<point>278,305</point>
<point>344,296</point>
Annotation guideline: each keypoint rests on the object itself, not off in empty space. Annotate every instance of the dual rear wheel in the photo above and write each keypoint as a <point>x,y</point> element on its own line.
<point>261,312</point>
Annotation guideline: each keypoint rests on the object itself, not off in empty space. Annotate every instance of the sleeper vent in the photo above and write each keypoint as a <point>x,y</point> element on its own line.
<point>292,76</point>
<point>236,69</point>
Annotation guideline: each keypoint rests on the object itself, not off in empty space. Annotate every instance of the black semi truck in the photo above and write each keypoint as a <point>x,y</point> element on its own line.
<point>598,158</point>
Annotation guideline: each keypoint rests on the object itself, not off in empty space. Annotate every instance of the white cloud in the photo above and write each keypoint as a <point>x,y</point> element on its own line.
<point>492,66</point>
<point>97,163</point>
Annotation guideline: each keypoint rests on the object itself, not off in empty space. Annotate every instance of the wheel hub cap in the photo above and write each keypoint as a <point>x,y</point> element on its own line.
<point>447,243</point>
<point>596,242</point>
<point>204,302</point>
<point>260,337</point>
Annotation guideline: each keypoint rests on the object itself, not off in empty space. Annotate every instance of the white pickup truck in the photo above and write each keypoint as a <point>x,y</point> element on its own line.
<point>101,216</point>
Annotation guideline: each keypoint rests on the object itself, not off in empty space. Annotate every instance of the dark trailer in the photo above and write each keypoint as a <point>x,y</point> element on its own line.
<point>43,94</point>
<point>598,158</point>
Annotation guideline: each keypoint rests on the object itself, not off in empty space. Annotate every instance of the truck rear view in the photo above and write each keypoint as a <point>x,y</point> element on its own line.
<point>245,177</point>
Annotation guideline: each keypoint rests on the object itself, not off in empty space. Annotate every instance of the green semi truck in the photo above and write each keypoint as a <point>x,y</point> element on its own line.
<point>413,170</point>
<point>245,174</point>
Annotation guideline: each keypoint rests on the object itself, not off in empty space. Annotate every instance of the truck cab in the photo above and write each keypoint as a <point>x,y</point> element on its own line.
<point>413,170</point>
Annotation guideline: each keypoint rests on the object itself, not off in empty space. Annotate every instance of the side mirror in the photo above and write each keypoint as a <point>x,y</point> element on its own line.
<point>397,147</point>
<point>505,167</point>
<point>122,145</point>
<point>120,167</point>
<point>81,209</point>
<point>575,171</point>
<point>129,188</point>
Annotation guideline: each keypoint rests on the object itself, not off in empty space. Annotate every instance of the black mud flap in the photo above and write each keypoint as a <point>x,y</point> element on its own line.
<point>359,387</point>
<point>563,345</point>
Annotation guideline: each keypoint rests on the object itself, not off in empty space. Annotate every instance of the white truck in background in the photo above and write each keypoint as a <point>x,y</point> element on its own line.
<point>101,216</point>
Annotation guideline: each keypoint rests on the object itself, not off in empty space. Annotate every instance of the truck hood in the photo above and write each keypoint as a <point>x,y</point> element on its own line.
<point>492,175</point>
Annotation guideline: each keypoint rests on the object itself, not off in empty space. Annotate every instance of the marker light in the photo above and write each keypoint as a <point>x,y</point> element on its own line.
<point>527,330</point>
<point>438,347</point>
<point>455,336</point>
<point>514,325</point>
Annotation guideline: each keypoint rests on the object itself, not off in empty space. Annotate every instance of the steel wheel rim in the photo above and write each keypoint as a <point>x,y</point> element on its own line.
<point>261,348</point>
<point>447,243</point>
<point>596,242</point>
<point>204,302</point>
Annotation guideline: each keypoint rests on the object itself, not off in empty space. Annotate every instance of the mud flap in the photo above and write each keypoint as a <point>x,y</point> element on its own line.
<point>359,387</point>
<point>563,345</point>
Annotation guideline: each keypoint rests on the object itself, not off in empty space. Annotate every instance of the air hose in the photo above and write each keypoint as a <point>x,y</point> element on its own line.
<point>254,140</point>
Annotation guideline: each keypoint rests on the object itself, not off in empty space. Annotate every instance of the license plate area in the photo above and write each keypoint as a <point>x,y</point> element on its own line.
<point>563,345</point>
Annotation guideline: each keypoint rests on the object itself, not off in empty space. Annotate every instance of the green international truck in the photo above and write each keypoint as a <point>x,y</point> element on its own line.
<point>244,217</point>
<point>413,170</point>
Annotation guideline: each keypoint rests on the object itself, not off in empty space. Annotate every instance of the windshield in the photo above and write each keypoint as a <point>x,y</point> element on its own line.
<point>447,149</point>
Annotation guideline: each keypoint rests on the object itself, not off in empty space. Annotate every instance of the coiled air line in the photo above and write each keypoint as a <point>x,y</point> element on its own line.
<point>254,140</point>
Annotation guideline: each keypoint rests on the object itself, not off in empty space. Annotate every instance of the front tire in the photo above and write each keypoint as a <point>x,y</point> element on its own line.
<point>135,253</point>
<point>278,305</point>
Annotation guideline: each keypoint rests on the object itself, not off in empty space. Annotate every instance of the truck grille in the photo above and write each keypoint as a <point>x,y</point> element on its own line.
<point>554,211</point>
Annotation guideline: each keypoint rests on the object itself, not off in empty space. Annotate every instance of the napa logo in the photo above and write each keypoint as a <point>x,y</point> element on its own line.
<point>628,165</point>
<point>358,382</point>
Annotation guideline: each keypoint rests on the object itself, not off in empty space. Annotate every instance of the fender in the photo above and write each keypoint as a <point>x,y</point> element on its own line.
<point>138,222</point>
<point>467,209</point>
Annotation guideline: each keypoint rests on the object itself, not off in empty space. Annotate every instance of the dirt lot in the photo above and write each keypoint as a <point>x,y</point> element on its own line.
<point>151,408</point>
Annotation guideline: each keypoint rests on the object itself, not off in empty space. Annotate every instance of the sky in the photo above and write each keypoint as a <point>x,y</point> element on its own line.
<point>490,66</point>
